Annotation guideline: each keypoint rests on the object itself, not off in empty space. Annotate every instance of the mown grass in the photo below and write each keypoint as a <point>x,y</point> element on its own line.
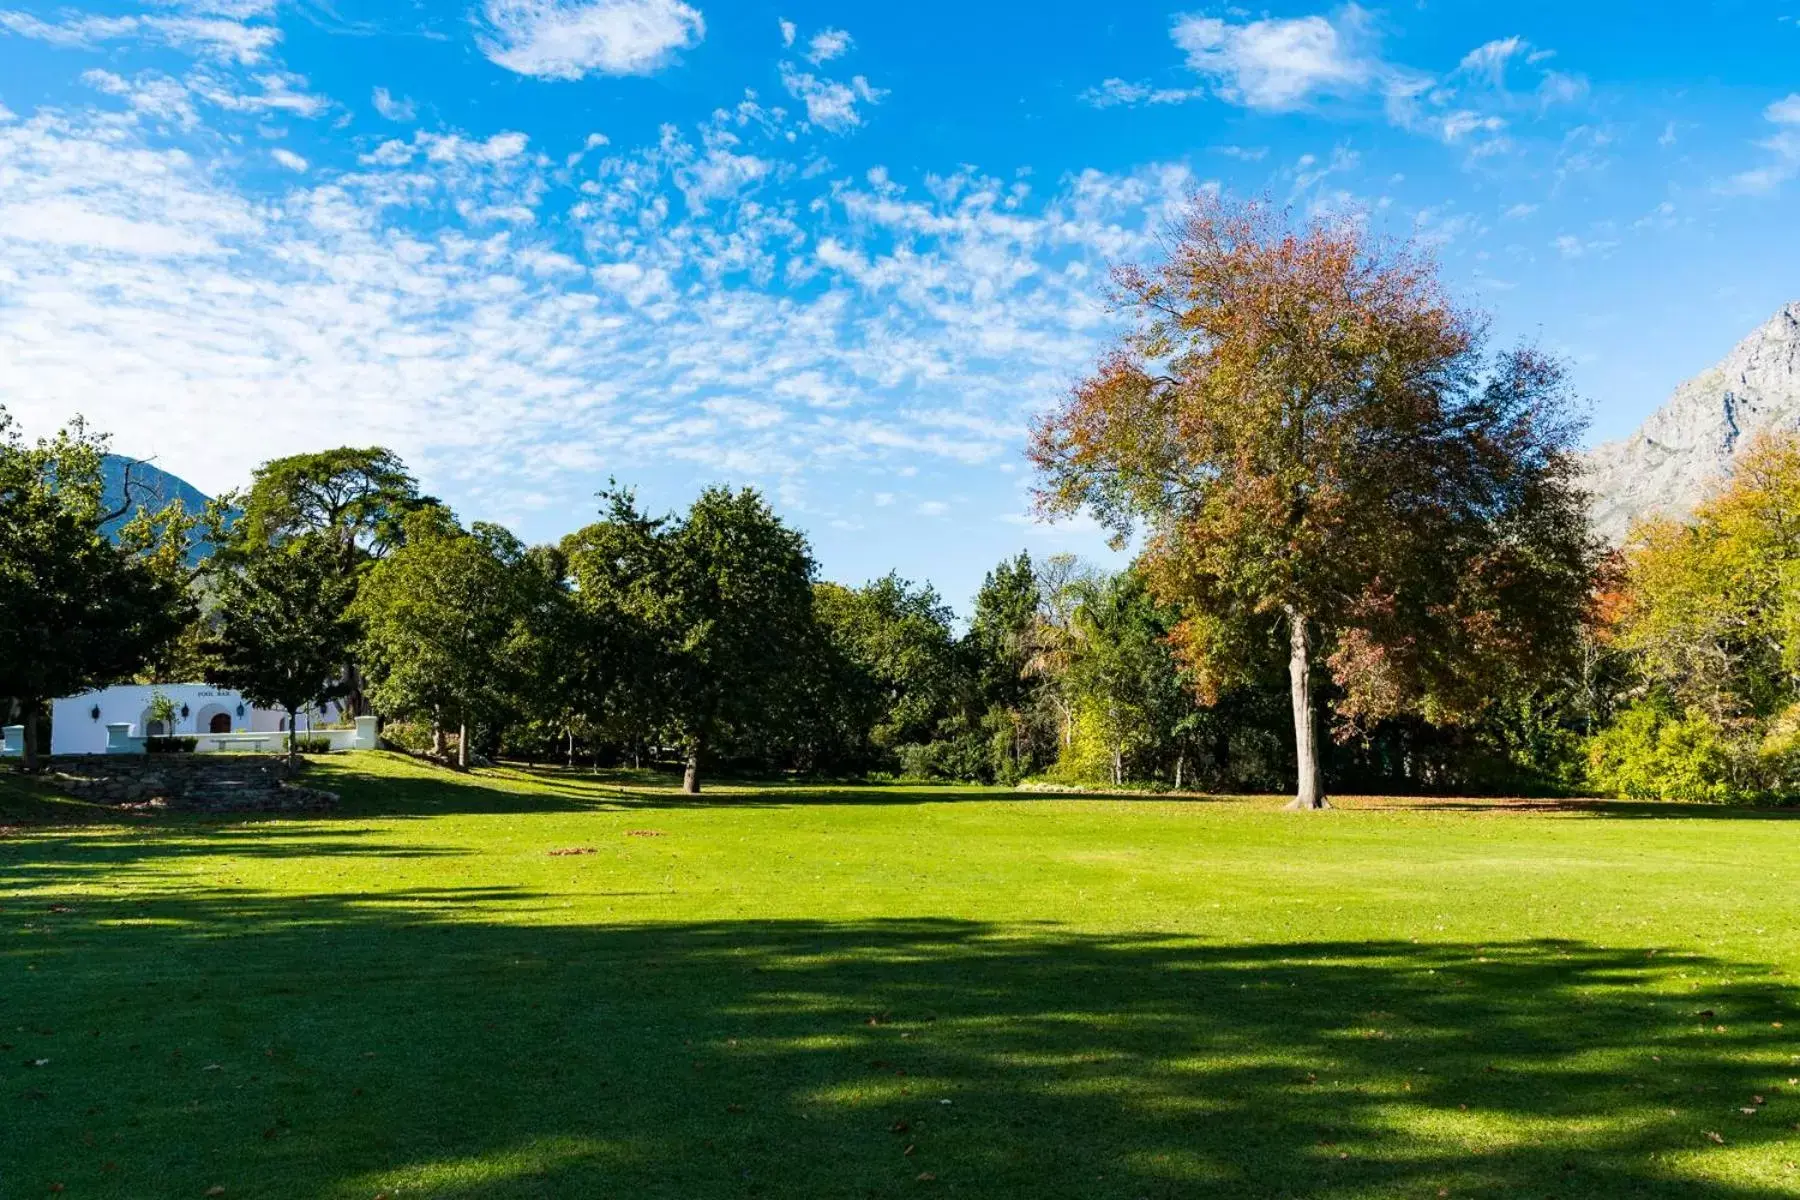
<point>893,991</point>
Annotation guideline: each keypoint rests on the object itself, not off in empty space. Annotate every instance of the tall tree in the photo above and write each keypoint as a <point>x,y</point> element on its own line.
<point>1315,438</point>
<point>354,500</point>
<point>900,636</point>
<point>443,621</point>
<point>1000,646</point>
<point>283,629</point>
<point>1124,676</point>
<point>76,610</point>
<point>722,599</point>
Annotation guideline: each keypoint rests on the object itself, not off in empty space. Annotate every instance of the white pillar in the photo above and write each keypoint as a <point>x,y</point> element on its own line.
<point>119,739</point>
<point>12,740</point>
<point>366,736</point>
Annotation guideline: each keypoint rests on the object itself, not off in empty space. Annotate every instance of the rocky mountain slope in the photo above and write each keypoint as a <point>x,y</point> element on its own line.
<point>1683,450</point>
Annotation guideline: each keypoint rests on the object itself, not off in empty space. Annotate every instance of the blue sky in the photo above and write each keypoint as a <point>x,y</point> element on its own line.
<point>841,252</point>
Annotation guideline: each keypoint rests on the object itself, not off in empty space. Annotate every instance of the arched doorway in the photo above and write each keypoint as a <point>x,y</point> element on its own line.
<point>149,726</point>
<point>212,718</point>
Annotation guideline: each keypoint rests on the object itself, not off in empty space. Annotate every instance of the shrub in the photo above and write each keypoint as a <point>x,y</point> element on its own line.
<point>960,758</point>
<point>414,737</point>
<point>312,745</point>
<point>1652,752</point>
<point>170,745</point>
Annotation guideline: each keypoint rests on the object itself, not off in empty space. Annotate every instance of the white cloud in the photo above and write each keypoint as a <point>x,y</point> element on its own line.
<point>1570,246</point>
<point>394,108</point>
<point>205,31</point>
<point>1280,64</point>
<point>1488,61</point>
<point>788,33</point>
<point>567,39</point>
<point>149,94</point>
<point>512,325</point>
<point>1114,92</point>
<point>829,104</point>
<point>933,508</point>
<point>1783,148</point>
<point>826,45</point>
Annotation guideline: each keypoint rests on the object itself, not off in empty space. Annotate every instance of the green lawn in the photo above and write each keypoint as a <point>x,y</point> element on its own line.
<point>893,992</point>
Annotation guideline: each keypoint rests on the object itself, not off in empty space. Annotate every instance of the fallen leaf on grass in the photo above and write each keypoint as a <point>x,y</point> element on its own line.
<point>572,850</point>
<point>1713,1137</point>
<point>899,1127</point>
<point>926,1177</point>
<point>217,1189</point>
<point>907,1153</point>
<point>644,833</point>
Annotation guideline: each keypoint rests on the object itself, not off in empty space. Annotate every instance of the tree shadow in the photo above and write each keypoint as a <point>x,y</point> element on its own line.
<point>463,1043</point>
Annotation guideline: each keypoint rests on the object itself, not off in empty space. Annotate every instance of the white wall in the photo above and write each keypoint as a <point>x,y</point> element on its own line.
<point>74,730</point>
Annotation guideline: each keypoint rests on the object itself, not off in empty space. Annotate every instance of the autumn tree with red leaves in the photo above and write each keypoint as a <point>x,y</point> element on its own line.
<point>1317,444</point>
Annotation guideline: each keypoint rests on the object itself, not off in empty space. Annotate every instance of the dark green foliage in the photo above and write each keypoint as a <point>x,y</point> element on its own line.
<point>76,610</point>
<point>712,617</point>
<point>310,745</point>
<point>444,624</point>
<point>283,626</point>
<point>170,745</point>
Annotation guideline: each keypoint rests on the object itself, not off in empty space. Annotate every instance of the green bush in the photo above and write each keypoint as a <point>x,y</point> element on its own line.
<point>1652,752</point>
<point>963,758</point>
<point>170,745</point>
<point>414,737</point>
<point>312,745</point>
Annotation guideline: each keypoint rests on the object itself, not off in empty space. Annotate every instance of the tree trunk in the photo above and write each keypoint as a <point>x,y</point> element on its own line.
<point>690,778</point>
<point>28,753</point>
<point>437,737</point>
<point>293,764</point>
<point>1180,761</point>
<point>571,748</point>
<point>1308,792</point>
<point>462,746</point>
<point>1118,765</point>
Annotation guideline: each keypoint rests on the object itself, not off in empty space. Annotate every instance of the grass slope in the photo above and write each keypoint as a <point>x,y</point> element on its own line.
<point>890,992</point>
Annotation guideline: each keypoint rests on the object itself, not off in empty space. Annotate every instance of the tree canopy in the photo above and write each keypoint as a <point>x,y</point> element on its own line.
<point>1315,440</point>
<point>77,611</point>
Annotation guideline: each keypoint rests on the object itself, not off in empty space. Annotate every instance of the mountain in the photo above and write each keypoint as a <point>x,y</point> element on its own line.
<point>1679,454</point>
<point>150,488</point>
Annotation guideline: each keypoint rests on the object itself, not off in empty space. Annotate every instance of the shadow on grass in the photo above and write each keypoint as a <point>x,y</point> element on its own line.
<point>463,1044</point>
<point>423,789</point>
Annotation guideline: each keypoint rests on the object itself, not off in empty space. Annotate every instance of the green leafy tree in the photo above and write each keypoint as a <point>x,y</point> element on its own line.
<point>901,638</point>
<point>1130,692</point>
<point>444,620</point>
<point>283,629</point>
<point>353,500</point>
<point>1316,441</point>
<point>718,604</point>
<point>76,611</point>
<point>356,500</point>
<point>1000,646</point>
<point>1708,617</point>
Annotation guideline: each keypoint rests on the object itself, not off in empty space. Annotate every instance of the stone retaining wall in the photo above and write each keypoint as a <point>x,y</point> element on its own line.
<point>189,782</point>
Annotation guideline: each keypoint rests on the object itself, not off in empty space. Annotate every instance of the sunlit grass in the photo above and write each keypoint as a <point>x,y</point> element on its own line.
<point>835,991</point>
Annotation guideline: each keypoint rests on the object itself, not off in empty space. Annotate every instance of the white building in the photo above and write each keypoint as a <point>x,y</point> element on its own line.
<point>117,719</point>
